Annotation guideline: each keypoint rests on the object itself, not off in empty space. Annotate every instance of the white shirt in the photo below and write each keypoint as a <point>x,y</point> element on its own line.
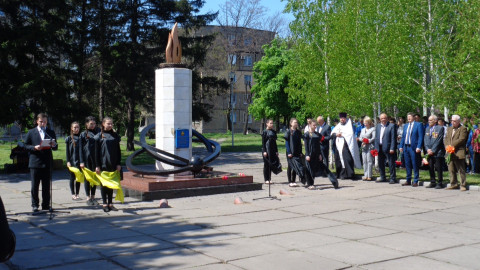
<point>41,132</point>
<point>382,130</point>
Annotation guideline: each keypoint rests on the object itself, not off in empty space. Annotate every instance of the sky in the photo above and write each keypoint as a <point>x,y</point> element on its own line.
<point>272,6</point>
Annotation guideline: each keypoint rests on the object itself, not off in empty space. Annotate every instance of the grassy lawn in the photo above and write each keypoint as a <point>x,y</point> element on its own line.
<point>242,143</point>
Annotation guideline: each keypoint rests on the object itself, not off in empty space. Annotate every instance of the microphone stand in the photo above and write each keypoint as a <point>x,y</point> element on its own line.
<point>269,185</point>
<point>50,208</point>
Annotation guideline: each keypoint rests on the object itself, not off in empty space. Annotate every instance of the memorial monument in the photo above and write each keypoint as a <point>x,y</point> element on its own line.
<point>176,172</point>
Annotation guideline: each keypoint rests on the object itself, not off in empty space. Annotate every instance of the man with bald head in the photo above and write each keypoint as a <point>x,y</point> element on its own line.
<point>435,149</point>
<point>386,145</point>
<point>457,136</point>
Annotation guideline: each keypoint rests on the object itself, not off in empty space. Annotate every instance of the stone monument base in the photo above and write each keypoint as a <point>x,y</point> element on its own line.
<point>153,187</point>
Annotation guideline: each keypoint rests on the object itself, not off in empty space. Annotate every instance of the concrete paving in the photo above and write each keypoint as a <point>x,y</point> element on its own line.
<point>362,225</point>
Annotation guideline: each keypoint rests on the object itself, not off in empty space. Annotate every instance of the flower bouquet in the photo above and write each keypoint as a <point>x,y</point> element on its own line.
<point>365,141</point>
<point>450,150</point>
<point>374,152</point>
<point>425,159</point>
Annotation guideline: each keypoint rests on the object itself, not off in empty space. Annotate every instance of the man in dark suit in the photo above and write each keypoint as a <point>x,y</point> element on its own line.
<point>385,144</point>
<point>40,160</point>
<point>411,146</point>
<point>324,129</point>
<point>457,136</point>
<point>435,149</point>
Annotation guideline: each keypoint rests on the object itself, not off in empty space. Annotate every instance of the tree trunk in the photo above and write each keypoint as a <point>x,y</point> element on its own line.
<point>130,123</point>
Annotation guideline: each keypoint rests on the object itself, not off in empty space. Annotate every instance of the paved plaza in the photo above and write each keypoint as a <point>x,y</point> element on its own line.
<point>362,225</point>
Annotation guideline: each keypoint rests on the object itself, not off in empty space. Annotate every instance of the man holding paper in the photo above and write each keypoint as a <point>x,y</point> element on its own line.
<point>40,142</point>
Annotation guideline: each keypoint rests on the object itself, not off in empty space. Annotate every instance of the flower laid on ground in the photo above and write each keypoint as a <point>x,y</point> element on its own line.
<point>365,140</point>
<point>450,150</point>
<point>225,177</point>
<point>374,152</point>
<point>241,174</point>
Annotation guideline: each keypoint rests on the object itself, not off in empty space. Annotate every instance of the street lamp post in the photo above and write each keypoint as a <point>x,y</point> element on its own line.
<point>232,77</point>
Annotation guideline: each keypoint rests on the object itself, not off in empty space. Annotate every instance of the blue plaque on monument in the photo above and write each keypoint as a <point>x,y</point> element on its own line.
<point>182,138</point>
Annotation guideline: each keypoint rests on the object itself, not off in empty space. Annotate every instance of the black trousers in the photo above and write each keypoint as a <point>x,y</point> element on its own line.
<point>89,189</point>
<point>435,164</point>
<point>37,176</point>
<point>382,157</point>
<point>107,195</point>
<point>291,174</point>
<point>267,173</point>
<point>74,186</point>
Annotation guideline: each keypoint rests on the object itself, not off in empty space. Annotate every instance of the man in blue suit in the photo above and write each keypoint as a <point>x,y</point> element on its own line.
<point>411,145</point>
<point>386,144</point>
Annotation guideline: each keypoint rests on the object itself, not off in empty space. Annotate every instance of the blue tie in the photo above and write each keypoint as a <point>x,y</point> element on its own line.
<point>409,130</point>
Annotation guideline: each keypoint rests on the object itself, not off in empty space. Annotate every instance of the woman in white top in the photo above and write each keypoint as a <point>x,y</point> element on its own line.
<point>367,137</point>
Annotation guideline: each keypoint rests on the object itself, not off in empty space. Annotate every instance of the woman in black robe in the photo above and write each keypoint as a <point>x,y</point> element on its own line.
<point>314,158</point>
<point>271,162</point>
<point>293,144</point>
<point>107,158</point>
<point>87,155</point>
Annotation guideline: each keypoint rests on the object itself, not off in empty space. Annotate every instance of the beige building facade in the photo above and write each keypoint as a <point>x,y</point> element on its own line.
<point>231,56</point>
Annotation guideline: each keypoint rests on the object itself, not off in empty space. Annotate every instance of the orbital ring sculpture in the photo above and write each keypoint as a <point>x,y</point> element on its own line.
<point>195,165</point>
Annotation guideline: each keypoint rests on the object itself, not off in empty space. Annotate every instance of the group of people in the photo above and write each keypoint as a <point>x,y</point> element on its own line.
<point>92,155</point>
<point>358,147</point>
<point>313,163</point>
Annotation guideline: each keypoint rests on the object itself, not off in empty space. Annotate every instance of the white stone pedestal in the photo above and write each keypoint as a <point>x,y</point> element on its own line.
<point>173,110</point>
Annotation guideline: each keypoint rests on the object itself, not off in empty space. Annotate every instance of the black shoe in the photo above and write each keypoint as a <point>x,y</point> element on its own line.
<point>35,209</point>
<point>106,209</point>
<point>432,185</point>
<point>90,202</point>
<point>45,208</point>
<point>95,202</point>
<point>112,208</point>
<point>439,186</point>
<point>392,182</point>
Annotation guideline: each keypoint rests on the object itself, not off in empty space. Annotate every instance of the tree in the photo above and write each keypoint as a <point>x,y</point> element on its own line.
<point>269,97</point>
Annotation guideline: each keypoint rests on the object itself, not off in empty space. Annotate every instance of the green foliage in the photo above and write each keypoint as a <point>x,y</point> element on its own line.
<point>369,56</point>
<point>269,97</point>
<point>91,57</point>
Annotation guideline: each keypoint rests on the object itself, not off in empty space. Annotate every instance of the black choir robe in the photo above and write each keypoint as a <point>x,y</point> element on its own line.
<point>293,143</point>
<point>315,167</point>
<point>269,145</point>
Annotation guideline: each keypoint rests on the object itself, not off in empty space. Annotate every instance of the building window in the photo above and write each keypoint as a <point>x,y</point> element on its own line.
<point>246,99</point>
<point>231,39</point>
<point>232,59</point>
<point>234,99</point>
<point>234,120</point>
<point>248,60</point>
<point>247,79</point>
<point>246,117</point>
<point>247,41</point>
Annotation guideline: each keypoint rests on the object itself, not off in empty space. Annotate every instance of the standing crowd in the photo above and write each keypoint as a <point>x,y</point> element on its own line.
<point>432,143</point>
<point>93,158</point>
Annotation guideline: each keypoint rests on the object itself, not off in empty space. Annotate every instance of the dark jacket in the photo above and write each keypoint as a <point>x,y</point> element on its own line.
<point>107,151</point>
<point>389,140</point>
<point>41,158</point>
<point>87,148</point>
<point>325,131</point>
<point>433,140</point>
<point>293,142</point>
<point>73,150</point>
